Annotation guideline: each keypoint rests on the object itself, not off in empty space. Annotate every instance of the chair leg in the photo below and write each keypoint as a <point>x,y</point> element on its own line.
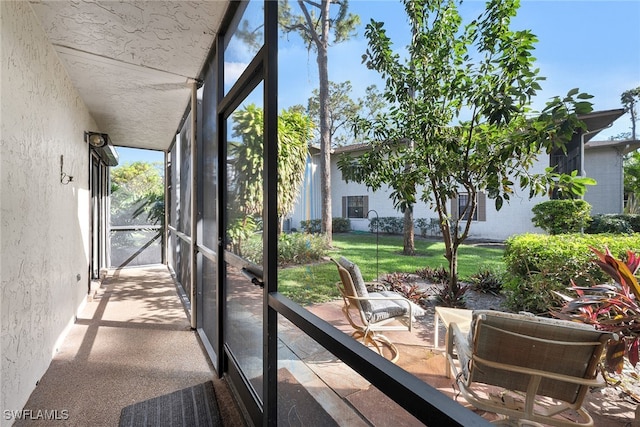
<point>370,338</point>
<point>367,339</point>
<point>395,353</point>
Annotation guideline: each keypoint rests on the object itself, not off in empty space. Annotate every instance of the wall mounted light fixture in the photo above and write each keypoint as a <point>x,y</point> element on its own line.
<point>64,178</point>
<point>101,145</point>
<point>96,139</point>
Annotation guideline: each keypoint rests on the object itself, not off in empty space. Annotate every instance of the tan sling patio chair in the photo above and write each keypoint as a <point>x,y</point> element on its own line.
<point>528,369</point>
<point>370,313</point>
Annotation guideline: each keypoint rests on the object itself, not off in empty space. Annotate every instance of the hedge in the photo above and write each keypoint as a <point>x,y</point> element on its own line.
<point>538,264</point>
<point>387,224</point>
<point>314,226</point>
<point>614,223</point>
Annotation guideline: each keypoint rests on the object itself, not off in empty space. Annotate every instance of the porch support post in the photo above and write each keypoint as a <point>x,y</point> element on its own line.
<point>270,214</point>
<point>194,207</point>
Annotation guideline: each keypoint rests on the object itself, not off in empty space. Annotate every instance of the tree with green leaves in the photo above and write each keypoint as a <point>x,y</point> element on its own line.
<point>460,121</point>
<point>315,24</point>
<point>632,181</point>
<point>294,133</point>
<point>630,99</point>
<point>137,188</point>
<point>567,186</point>
<point>343,110</point>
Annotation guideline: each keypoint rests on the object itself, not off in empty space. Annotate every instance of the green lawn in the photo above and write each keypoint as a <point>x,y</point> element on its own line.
<point>316,283</point>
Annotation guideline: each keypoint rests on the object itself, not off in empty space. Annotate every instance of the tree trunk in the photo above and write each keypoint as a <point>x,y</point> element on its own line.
<point>325,125</point>
<point>454,287</point>
<point>632,111</point>
<point>409,247</point>
<point>449,230</point>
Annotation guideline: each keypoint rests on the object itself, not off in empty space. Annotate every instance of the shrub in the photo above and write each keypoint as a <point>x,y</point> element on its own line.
<point>395,280</point>
<point>341,225</point>
<point>435,275</point>
<point>634,221</point>
<point>428,226</point>
<point>293,248</point>
<point>301,248</point>
<point>534,295</point>
<point>487,280</point>
<point>402,283</point>
<point>562,216</point>
<point>618,224</point>
<point>610,307</point>
<point>240,232</point>
<point>312,226</point>
<point>387,224</point>
<point>540,264</point>
<point>424,225</point>
<point>452,298</point>
<point>444,295</point>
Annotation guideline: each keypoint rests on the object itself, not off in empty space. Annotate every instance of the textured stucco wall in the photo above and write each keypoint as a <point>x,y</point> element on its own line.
<point>44,225</point>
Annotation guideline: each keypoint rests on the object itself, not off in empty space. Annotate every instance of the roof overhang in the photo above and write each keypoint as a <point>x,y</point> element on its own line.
<point>133,62</point>
<point>597,121</point>
<point>622,146</point>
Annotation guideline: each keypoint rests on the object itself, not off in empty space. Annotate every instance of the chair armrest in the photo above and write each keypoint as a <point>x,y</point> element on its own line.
<point>458,340</point>
<point>384,298</point>
<point>596,382</point>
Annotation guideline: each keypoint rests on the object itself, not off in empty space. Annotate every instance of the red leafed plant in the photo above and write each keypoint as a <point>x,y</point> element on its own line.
<point>611,307</point>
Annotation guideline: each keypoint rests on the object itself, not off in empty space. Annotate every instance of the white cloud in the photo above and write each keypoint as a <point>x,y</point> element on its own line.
<point>233,70</point>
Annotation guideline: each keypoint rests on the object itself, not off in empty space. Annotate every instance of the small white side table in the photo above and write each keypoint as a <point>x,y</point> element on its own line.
<point>449,315</point>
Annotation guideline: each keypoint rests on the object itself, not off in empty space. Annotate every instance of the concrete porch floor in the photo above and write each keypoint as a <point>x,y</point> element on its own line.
<point>133,342</point>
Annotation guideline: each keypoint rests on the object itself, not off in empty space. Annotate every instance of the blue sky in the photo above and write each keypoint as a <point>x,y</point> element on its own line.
<point>592,45</point>
<point>130,155</point>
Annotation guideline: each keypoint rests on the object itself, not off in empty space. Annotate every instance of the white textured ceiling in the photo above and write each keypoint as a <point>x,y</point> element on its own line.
<point>132,61</point>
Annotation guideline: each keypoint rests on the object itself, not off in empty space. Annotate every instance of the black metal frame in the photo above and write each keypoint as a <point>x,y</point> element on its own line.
<point>418,398</point>
<point>95,213</point>
<point>250,78</point>
<point>270,212</point>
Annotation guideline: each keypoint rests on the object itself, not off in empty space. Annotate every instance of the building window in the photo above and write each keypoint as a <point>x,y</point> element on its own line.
<point>355,206</point>
<point>458,205</point>
<point>463,201</point>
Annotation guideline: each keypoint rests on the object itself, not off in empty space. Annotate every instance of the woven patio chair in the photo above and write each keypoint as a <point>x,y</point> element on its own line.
<point>370,313</point>
<point>528,369</point>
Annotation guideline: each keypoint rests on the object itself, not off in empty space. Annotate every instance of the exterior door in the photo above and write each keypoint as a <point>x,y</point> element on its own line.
<point>97,234</point>
<point>241,124</point>
<point>99,188</point>
<point>243,242</point>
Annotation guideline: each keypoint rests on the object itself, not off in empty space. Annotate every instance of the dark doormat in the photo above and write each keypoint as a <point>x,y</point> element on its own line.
<point>190,407</point>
